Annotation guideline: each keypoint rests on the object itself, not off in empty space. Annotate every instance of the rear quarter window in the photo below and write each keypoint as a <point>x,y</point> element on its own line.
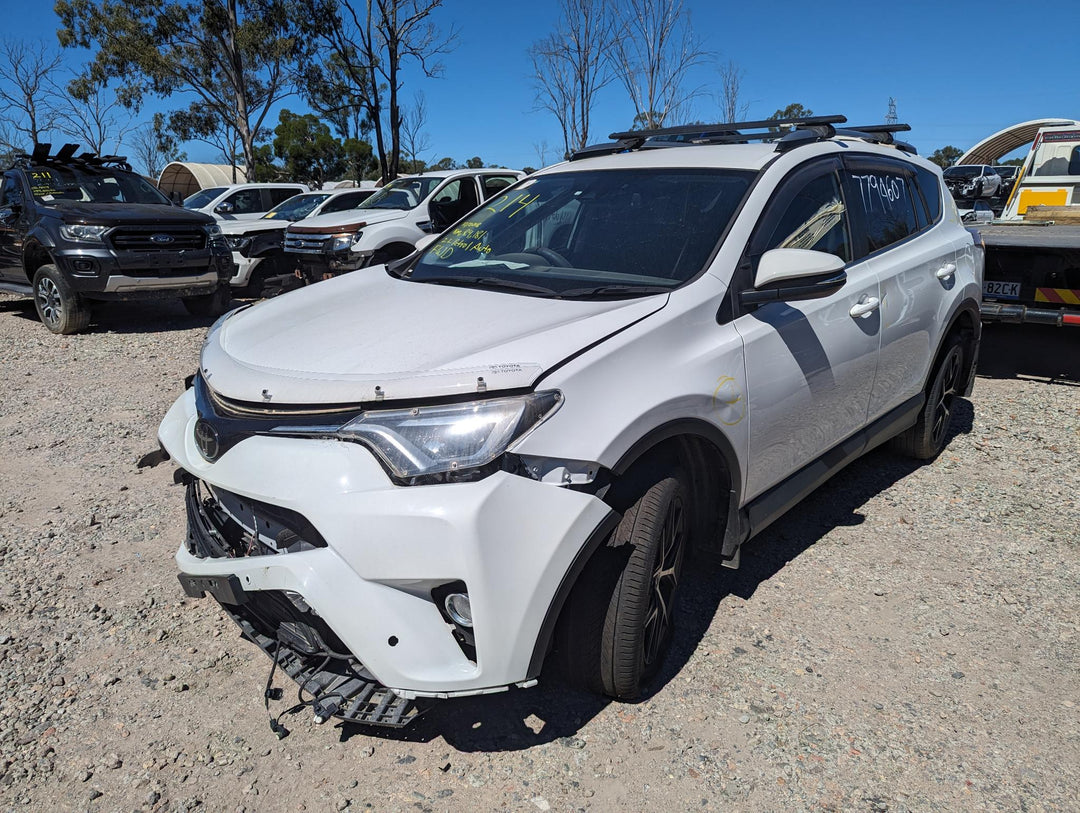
<point>930,189</point>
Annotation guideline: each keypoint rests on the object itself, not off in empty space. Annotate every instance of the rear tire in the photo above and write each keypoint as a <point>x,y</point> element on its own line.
<point>926,439</point>
<point>209,305</point>
<point>59,308</point>
<point>619,619</point>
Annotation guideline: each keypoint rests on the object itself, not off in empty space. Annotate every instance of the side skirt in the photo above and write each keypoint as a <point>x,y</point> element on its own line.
<point>766,508</point>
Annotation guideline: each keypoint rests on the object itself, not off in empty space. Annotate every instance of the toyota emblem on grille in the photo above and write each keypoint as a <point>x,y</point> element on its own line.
<point>161,238</point>
<point>206,438</point>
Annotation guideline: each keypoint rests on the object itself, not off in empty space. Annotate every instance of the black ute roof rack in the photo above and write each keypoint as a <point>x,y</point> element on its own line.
<point>787,133</point>
<point>66,156</point>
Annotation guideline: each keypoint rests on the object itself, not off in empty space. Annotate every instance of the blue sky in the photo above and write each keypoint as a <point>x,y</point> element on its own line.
<point>959,71</point>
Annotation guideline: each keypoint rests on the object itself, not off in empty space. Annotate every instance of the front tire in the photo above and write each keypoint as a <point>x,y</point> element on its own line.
<point>209,305</point>
<point>926,439</point>
<point>59,308</point>
<point>619,619</point>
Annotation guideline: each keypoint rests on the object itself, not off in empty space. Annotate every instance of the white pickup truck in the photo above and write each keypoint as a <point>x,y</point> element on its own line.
<point>388,224</point>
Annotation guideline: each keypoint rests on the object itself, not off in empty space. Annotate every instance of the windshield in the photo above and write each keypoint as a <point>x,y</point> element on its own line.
<point>70,184</point>
<point>963,172</point>
<point>203,197</point>
<point>606,233</point>
<point>403,193</point>
<point>296,208</point>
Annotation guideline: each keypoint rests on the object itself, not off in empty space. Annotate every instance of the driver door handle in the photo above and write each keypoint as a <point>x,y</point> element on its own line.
<point>946,271</point>
<point>865,306</point>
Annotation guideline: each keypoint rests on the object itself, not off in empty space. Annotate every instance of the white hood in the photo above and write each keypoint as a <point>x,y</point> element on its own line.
<point>335,220</point>
<point>367,336</point>
<point>252,226</point>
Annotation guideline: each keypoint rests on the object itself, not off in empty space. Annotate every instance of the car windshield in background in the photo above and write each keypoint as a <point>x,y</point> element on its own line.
<point>296,208</point>
<point>963,172</point>
<point>404,193</point>
<point>202,197</point>
<point>601,233</point>
<point>68,184</point>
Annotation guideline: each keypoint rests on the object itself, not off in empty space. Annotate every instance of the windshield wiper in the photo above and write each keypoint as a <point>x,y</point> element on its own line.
<point>489,282</point>
<point>614,290</point>
<point>485,263</point>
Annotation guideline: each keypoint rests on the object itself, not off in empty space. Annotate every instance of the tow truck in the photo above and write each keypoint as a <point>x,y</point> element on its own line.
<point>1033,250</point>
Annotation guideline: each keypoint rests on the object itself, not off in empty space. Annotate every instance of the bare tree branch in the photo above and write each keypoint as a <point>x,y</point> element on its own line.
<point>732,108</point>
<point>94,118</point>
<point>571,65</point>
<point>654,50</point>
<point>28,91</point>
<point>413,138</point>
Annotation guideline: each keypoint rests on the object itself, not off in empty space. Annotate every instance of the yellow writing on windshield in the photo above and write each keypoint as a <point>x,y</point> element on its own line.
<point>504,202</point>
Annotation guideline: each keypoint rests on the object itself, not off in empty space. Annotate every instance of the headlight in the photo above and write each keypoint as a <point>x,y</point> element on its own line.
<point>449,438</point>
<point>236,242</point>
<point>83,234</point>
<point>343,242</point>
<point>213,231</point>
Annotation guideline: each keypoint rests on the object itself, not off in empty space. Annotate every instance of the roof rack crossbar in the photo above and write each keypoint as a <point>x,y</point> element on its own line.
<point>880,128</point>
<point>787,133</point>
<point>726,128</point>
<point>65,156</point>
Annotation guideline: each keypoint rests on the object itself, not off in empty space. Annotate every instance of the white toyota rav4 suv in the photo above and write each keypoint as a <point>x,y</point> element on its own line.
<point>415,483</point>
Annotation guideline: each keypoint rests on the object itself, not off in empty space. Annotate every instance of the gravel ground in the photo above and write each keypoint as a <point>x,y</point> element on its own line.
<point>906,639</point>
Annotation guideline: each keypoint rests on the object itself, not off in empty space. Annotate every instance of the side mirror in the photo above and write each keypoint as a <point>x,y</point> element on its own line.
<point>225,208</point>
<point>787,274</point>
<point>426,241</point>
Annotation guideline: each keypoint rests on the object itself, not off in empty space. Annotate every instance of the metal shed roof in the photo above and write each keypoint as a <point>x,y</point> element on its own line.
<point>187,178</point>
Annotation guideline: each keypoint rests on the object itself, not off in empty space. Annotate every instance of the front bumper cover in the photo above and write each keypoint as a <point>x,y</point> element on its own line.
<point>511,540</point>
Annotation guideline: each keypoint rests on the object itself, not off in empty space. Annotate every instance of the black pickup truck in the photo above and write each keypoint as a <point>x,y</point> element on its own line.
<point>80,229</point>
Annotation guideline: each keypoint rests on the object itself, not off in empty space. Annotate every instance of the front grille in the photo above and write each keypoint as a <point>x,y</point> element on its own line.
<point>232,408</point>
<point>150,238</point>
<point>308,243</point>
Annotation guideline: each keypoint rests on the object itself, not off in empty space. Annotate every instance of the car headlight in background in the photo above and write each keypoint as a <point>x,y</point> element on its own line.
<point>213,231</point>
<point>237,242</point>
<point>450,438</point>
<point>83,234</point>
<point>343,242</point>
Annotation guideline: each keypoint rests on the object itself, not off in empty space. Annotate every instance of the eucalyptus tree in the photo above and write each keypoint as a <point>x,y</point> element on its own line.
<point>235,58</point>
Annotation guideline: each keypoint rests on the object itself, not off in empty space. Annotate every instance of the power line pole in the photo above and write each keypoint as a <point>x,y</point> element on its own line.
<point>891,118</point>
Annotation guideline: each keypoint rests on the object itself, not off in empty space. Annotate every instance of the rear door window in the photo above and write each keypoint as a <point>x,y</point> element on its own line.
<point>883,196</point>
<point>281,193</point>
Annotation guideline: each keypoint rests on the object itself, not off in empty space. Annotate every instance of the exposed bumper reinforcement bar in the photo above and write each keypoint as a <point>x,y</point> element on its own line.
<point>1020,314</point>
